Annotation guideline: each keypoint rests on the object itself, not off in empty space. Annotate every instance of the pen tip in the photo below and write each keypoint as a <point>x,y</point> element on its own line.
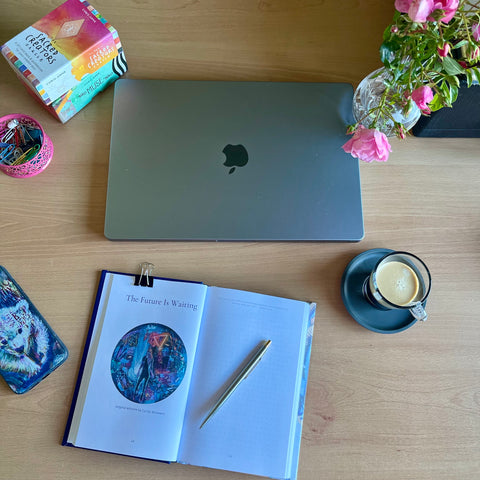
<point>207,418</point>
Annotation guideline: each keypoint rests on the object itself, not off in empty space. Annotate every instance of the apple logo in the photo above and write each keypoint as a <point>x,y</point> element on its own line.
<point>236,156</point>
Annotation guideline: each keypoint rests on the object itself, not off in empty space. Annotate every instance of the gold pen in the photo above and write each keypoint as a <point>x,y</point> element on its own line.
<point>252,363</point>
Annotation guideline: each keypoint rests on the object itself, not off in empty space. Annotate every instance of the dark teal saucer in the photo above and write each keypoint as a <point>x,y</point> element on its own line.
<point>381,321</point>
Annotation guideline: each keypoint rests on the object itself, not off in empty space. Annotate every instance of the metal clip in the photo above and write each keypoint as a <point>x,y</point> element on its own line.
<point>145,279</point>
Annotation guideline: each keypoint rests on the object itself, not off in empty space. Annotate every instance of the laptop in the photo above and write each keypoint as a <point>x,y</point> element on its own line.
<point>232,161</point>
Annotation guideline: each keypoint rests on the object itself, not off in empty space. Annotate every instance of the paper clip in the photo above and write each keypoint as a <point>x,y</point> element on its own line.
<point>18,152</point>
<point>25,130</point>
<point>21,158</point>
<point>34,151</point>
<point>145,278</point>
<point>12,129</point>
<point>27,156</point>
<point>6,153</point>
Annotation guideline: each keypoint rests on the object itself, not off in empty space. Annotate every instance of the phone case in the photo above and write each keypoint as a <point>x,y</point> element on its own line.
<point>29,349</point>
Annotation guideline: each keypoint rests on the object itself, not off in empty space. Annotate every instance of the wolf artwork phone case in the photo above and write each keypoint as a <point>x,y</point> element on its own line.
<point>29,349</point>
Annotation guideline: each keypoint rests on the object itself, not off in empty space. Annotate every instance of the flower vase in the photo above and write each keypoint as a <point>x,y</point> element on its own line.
<point>368,96</point>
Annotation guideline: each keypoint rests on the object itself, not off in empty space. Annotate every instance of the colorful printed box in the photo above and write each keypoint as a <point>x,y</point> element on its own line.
<point>67,57</point>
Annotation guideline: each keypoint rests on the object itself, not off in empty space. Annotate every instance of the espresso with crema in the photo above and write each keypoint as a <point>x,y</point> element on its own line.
<point>397,283</point>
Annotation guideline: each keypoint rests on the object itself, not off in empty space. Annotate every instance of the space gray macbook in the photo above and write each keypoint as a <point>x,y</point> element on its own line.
<point>232,161</point>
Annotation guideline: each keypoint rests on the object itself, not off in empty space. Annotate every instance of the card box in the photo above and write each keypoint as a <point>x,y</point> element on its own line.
<point>67,57</point>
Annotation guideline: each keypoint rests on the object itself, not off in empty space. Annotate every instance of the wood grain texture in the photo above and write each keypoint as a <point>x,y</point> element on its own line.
<point>379,407</point>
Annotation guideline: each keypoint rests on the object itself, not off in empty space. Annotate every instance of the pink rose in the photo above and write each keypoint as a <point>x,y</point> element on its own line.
<point>444,51</point>
<point>368,145</point>
<point>421,10</point>
<point>476,31</point>
<point>418,10</point>
<point>422,96</point>
<point>402,5</point>
<point>448,6</point>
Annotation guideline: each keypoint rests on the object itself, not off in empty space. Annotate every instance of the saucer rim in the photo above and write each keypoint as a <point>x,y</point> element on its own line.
<point>379,252</point>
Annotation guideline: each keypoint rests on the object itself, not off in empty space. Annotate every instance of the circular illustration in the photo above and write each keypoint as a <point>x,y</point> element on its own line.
<point>148,363</point>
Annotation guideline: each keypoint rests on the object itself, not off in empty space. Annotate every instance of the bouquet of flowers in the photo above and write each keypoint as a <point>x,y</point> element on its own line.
<point>429,46</point>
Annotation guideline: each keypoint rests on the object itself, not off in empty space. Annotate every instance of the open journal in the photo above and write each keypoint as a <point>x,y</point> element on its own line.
<point>157,359</point>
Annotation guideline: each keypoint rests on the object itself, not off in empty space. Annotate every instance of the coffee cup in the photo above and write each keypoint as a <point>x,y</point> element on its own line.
<point>399,280</point>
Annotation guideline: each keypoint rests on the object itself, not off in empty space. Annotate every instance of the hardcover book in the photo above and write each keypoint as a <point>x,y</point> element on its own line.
<point>157,359</point>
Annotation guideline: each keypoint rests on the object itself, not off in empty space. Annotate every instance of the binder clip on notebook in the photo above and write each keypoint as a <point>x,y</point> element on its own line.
<point>145,278</point>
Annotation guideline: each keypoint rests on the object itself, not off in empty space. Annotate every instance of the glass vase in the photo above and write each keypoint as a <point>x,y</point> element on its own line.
<point>368,96</point>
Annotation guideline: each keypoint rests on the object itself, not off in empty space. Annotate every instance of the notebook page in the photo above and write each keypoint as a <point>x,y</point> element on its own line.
<point>128,421</point>
<point>253,431</point>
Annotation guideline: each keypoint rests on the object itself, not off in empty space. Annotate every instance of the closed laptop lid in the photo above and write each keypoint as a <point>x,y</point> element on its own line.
<point>232,161</point>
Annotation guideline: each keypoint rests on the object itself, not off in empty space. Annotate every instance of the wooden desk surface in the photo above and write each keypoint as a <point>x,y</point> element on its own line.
<point>379,407</point>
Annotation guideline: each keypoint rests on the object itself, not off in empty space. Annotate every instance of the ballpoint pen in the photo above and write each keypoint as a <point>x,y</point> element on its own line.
<point>252,363</point>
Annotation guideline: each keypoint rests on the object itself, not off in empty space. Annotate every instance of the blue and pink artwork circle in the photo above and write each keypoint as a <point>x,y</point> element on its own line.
<point>148,363</point>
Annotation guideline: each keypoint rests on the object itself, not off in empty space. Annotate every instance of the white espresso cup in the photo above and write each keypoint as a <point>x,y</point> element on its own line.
<point>400,280</point>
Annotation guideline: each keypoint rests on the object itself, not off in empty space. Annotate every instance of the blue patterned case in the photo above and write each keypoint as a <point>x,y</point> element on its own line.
<point>29,349</point>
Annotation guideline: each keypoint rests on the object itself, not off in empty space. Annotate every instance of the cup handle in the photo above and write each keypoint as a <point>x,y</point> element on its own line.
<point>419,312</point>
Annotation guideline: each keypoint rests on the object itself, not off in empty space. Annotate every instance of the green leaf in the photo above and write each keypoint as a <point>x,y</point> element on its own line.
<point>452,67</point>
<point>387,33</point>
<point>453,93</point>
<point>476,71</point>
<point>460,44</point>
<point>469,75</point>
<point>438,67</point>
<point>388,50</point>
<point>445,91</point>
<point>454,80</point>
<point>436,103</point>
